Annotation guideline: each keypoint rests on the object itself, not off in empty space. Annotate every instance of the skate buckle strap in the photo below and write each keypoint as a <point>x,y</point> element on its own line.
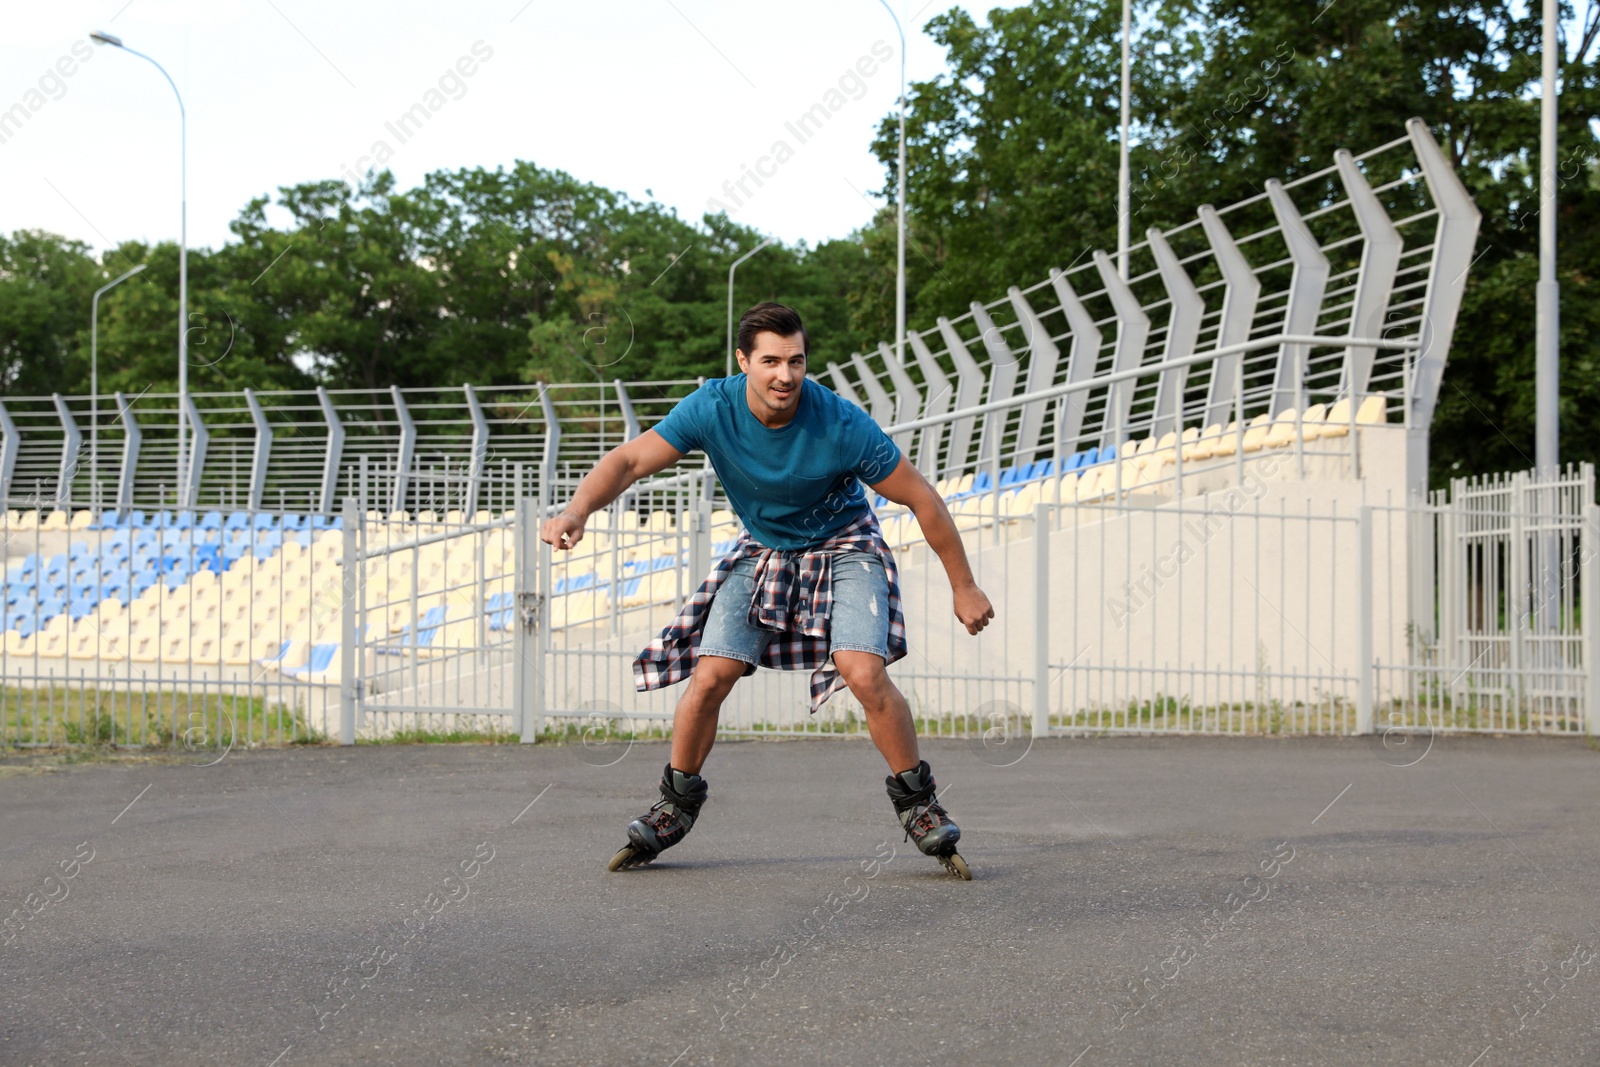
<point>924,817</point>
<point>664,817</point>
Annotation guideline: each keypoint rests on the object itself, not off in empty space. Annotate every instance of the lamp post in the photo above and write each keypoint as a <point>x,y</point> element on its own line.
<point>1124,223</point>
<point>731,269</point>
<point>101,37</point>
<point>1547,338</point>
<point>1547,350</point>
<point>900,203</point>
<point>94,372</point>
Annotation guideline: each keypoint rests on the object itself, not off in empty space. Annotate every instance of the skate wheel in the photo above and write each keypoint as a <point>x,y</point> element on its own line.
<point>628,857</point>
<point>956,866</point>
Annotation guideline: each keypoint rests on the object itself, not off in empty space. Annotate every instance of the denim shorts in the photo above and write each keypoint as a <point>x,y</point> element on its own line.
<point>860,610</point>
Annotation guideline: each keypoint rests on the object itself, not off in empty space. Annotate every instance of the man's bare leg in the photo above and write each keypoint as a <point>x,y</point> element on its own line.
<point>888,715</point>
<point>911,785</point>
<point>694,723</point>
<point>694,729</point>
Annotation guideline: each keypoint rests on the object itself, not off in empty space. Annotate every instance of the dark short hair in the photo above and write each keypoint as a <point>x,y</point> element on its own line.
<point>769,317</point>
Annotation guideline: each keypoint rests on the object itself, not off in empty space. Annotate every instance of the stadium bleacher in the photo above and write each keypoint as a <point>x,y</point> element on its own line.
<point>241,590</point>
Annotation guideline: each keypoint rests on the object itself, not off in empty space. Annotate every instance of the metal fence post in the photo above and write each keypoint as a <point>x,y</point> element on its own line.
<point>1041,620</point>
<point>1589,577</point>
<point>349,684</point>
<point>699,545</point>
<point>531,622</point>
<point>1364,579</point>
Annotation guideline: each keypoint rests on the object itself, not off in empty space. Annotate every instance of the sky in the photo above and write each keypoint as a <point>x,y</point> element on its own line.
<point>665,99</point>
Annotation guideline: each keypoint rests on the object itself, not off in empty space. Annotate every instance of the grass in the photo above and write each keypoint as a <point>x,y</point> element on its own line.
<point>64,716</point>
<point>63,725</point>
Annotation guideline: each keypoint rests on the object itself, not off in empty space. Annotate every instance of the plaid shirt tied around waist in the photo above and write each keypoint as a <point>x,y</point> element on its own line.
<point>793,598</point>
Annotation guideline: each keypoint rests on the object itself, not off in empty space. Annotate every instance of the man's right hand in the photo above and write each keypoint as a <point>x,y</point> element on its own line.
<point>562,532</point>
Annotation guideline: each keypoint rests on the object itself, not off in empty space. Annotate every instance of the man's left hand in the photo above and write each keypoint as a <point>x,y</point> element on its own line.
<point>973,608</point>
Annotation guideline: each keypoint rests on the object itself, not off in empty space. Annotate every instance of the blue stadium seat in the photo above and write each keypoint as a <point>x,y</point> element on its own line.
<point>263,521</point>
<point>283,650</point>
<point>292,521</point>
<point>321,657</point>
<point>269,543</point>
<point>236,520</point>
<point>211,520</point>
<point>432,620</point>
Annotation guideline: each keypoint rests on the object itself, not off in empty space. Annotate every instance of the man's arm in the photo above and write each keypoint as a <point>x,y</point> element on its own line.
<point>906,485</point>
<point>617,469</point>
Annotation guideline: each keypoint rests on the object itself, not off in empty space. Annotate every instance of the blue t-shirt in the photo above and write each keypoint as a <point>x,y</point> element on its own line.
<point>795,486</point>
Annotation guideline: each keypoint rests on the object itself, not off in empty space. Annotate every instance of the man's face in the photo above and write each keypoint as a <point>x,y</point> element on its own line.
<point>776,367</point>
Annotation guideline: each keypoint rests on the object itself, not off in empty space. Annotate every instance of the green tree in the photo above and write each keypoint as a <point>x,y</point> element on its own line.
<point>45,286</point>
<point>1013,158</point>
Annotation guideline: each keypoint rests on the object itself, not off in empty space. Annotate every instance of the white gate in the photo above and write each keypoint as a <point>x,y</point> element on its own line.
<point>435,623</point>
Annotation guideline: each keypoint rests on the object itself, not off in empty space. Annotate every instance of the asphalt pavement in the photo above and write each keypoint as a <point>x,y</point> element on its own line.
<point>1135,901</point>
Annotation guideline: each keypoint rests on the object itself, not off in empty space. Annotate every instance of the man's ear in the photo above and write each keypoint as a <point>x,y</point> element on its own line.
<point>742,360</point>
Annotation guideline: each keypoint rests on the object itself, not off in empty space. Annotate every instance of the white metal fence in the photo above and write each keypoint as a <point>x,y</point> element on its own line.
<point>168,629</point>
<point>1252,609</point>
<point>1273,604</point>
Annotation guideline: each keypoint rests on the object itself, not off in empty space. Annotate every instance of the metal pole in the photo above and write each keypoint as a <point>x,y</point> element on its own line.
<point>1124,222</point>
<point>1547,358</point>
<point>900,203</point>
<point>1589,578</point>
<point>1547,335</point>
<point>94,371</point>
<point>183,253</point>
<point>731,269</point>
<point>1364,597</point>
<point>1041,620</point>
<point>349,684</point>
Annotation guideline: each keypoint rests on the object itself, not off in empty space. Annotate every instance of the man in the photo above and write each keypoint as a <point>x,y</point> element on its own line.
<point>810,583</point>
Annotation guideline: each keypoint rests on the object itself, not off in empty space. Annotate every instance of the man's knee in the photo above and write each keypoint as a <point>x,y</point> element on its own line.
<point>718,673</point>
<point>863,672</point>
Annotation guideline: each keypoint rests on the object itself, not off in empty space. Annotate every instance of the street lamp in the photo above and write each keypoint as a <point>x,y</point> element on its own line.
<point>101,37</point>
<point>1547,342</point>
<point>900,200</point>
<point>1124,223</point>
<point>1547,333</point>
<point>731,269</point>
<point>94,372</point>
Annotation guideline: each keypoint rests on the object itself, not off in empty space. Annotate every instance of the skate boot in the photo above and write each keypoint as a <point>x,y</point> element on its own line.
<point>666,823</point>
<point>925,819</point>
